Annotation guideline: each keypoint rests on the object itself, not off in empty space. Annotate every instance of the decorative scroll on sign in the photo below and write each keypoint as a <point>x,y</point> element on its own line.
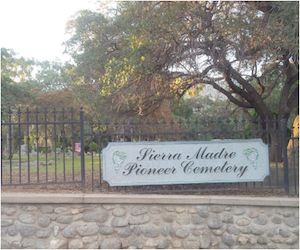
<point>156,163</point>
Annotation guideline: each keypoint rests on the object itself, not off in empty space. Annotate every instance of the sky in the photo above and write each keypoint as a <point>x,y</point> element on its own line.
<point>36,28</point>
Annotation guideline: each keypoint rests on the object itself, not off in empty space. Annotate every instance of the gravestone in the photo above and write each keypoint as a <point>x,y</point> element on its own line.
<point>33,153</point>
<point>70,153</point>
<point>24,149</point>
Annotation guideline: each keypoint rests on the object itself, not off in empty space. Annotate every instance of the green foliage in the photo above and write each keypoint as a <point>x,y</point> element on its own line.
<point>91,147</point>
<point>15,79</point>
<point>143,53</point>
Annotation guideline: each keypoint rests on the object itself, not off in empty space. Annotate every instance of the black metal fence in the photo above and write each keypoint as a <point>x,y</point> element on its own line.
<point>59,147</point>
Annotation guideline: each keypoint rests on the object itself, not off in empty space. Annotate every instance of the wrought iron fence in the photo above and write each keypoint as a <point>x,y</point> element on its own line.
<point>59,147</point>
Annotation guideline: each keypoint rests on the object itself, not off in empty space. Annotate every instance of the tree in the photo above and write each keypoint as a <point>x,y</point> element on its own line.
<point>52,75</point>
<point>15,78</point>
<point>151,51</point>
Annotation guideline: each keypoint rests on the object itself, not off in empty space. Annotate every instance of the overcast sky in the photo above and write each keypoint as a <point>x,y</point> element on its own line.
<point>36,28</point>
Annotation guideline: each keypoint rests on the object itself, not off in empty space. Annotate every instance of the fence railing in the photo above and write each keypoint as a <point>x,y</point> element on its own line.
<point>60,147</point>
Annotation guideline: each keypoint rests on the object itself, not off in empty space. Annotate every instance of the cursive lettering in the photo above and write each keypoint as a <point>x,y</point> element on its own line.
<point>150,154</point>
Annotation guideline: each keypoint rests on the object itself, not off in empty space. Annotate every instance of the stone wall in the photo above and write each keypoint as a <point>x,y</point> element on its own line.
<point>95,221</point>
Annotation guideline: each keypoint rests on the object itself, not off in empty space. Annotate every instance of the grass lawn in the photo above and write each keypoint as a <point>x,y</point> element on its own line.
<point>42,169</point>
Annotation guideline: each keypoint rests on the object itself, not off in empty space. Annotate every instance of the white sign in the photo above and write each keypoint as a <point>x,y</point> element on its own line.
<point>157,163</point>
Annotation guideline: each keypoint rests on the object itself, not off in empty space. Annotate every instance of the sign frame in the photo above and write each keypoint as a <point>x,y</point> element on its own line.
<point>107,175</point>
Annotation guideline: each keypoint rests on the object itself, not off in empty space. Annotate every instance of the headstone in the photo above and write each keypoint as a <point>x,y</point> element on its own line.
<point>33,153</point>
<point>70,153</point>
<point>58,150</point>
<point>24,149</point>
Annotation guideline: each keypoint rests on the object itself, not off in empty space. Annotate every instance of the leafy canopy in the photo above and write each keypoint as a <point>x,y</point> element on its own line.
<point>144,53</point>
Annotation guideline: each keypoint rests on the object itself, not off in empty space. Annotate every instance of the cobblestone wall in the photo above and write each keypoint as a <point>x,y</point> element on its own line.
<point>148,226</point>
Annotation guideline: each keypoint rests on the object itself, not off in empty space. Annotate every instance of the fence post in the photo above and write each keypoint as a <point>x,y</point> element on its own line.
<point>284,155</point>
<point>82,148</point>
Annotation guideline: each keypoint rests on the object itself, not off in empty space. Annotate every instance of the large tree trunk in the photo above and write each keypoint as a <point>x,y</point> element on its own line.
<point>275,152</point>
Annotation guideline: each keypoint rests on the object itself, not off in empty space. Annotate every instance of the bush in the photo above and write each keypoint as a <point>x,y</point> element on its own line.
<point>91,147</point>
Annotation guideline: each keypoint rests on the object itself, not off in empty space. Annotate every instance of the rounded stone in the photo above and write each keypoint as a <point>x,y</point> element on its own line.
<point>170,209</point>
<point>179,210</point>
<point>181,233</point>
<point>222,246</point>
<point>27,231</point>
<point>89,239</point>
<point>227,218</point>
<point>47,209</point>
<point>291,222</point>
<point>215,222</point>
<point>43,220</point>
<point>64,219</point>
<point>216,209</point>
<point>270,232</point>
<point>276,220</point>
<point>138,243</point>
<point>263,240</point>
<point>191,243</point>
<point>245,230</point>
<point>105,230</point>
<point>55,230</point>
<point>138,220</point>
<point>228,239</point>
<point>28,243</point>
<point>151,232</point>
<point>253,214</point>
<point>88,229</point>
<point>124,232</point>
<point>293,240</point>
<point>138,210</point>
<point>242,240</point>
<point>27,218</point>
<point>183,219</point>
<point>257,231</point>
<point>12,230</point>
<point>164,244</point>
<point>5,245</point>
<point>60,210</point>
<point>288,213</point>
<point>196,219</point>
<point>176,243</point>
<point>58,244</point>
<point>277,239</point>
<point>261,220</point>
<point>217,232</point>
<point>239,211</point>
<point>10,210</point>
<point>169,218</point>
<point>100,217</point>
<point>119,212</point>
<point>6,222</point>
<point>69,231</point>
<point>155,210</point>
<point>284,233</point>
<point>17,245</point>
<point>205,241</point>
<point>75,244</point>
<point>243,222</point>
<point>203,214</point>
<point>152,243</point>
<point>29,208</point>
<point>232,230</point>
<point>43,233</point>
<point>112,243</point>
<point>119,222</point>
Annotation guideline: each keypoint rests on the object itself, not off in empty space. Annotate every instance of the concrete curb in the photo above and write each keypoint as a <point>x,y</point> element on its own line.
<point>20,198</point>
